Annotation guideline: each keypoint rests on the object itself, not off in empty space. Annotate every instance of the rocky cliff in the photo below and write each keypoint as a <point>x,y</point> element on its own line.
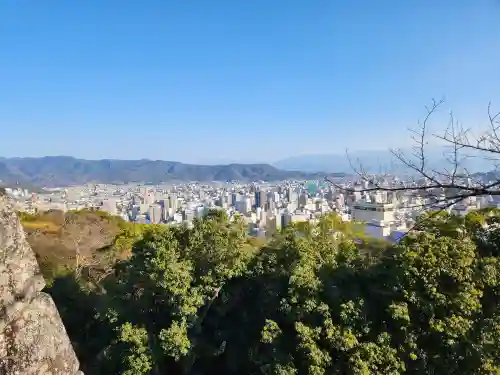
<point>32,336</point>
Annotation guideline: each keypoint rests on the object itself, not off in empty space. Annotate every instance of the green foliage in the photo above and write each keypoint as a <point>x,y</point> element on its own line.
<point>169,283</point>
<point>137,359</point>
<point>316,299</point>
<point>26,216</point>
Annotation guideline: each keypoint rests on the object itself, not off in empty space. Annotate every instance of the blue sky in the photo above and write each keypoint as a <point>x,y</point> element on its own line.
<point>220,80</point>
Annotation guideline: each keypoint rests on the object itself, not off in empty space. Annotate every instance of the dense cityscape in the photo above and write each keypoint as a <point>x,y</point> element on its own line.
<point>265,207</point>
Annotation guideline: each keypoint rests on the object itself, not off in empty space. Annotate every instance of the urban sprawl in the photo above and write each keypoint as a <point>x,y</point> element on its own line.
<point>266,207</point>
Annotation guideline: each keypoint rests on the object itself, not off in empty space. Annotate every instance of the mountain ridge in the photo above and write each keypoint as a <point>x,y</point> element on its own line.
<point>51,171</point>
<point>380,161</point>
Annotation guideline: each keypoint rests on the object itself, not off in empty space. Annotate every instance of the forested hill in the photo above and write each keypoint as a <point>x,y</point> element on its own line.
<point>64,170</point>
<point>157,299</point>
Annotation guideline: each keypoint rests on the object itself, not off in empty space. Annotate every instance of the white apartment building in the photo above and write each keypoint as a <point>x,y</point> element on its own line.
<point>110,206</point>
<point>370,212</point>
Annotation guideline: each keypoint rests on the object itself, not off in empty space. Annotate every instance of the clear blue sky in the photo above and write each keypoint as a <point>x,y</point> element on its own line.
<point>209,80</point>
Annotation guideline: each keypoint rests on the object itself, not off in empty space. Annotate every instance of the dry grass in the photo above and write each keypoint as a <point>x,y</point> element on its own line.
<point>46,226</point>
<point>54,237</point>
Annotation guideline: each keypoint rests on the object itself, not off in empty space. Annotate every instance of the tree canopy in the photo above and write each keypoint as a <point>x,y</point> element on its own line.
<point>313,300</point>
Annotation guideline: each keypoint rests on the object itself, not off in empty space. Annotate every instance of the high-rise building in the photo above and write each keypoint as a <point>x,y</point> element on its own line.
<point>138,199</point>
<point>165,213</point>
<point>291,195</point>
<point>262,216</point>
<point>270,204</point>
<point>234,199</point>
<point>149,197</point>
<point>271,225</point>
<point>172,199</point>
<point>303,199</point>
<point>286,219</point>
<point>276,197</point>
<point>260,198</point>
<point>187,215</point>
<point>243,206</point>
<point>155,213</point>
<point>199,212</point>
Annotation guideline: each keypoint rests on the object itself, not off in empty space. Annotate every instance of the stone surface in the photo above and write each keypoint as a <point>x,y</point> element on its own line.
<point>32,337</point>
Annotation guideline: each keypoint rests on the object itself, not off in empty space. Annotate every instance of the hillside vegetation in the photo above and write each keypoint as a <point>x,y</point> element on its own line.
<point>207,300</point>
<point>78,240</point>
<point>64,170</point>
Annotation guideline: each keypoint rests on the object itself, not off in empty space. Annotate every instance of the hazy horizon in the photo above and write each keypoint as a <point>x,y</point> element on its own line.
<point>373,161</point>
<point>207,160</point>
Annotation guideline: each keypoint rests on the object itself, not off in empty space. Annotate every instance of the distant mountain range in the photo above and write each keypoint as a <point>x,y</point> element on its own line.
<point>374,160</point>
<point>53,171</point>
<point>379,161</point>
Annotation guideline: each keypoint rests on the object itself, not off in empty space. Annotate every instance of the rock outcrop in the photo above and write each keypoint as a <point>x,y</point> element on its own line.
<point>33,339</point>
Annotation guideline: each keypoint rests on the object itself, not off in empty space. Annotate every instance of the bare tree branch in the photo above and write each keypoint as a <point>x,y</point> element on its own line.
<point>84,237</point>
<point>451,184</point>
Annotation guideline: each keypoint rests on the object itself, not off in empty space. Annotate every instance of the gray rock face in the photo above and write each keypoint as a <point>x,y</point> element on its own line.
<point>33,340</point>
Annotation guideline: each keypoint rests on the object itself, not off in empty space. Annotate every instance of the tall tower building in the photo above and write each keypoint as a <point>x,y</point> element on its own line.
<point>260,198</point>
<point>286,219</point>
<point>303,199</point>
<point>155,213</point>
<point>291,195</point>
<point>172,202</point>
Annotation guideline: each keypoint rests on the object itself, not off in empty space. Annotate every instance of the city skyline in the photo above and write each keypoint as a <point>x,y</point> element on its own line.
<point>257,82</point>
